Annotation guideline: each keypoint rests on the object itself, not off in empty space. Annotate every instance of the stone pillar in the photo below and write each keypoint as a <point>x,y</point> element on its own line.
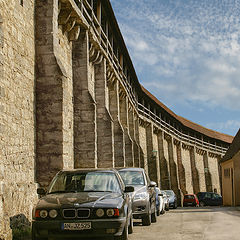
<point>151,157</point>
<point>163,163</point>
<point>200,168</point>
<point>85,128</point>
<point>124,121</point>
<point>105,131</point>
<point>208,177</point>
<point>172,165</point>
<point>54,108</point>
<point>134,135</point>
<point>119,140</point>
<point>195,174</point>
<point>137,151</point>
<point>181,169</point>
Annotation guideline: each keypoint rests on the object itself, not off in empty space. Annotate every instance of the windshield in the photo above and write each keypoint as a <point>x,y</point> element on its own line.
<point>189,197</point>
<point>132,177</point>
<point>85,182</point>
<point>169,192</point>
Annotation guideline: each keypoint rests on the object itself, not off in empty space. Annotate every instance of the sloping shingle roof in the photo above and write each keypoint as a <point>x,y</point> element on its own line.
<point>233,149</point>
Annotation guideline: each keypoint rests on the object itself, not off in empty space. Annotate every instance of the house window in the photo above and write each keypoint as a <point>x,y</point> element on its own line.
<point>227,172</point>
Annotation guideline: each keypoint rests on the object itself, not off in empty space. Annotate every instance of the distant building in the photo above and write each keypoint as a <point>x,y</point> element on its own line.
<point>230,164</point>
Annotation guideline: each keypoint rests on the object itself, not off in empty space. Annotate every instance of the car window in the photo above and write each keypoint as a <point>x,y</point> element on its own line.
<point>85,182</point>
<point>207,195</point>
<point>189,197</point>
<point>169,192</point>
<point>132,177</point>
<point>216,196</point>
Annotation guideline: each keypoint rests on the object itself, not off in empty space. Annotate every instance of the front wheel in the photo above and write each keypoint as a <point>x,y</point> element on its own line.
<point>130,227</point>
<point>124,235</point>
<point>201,204</point>
<point>163,211</point>
<point>146,220</point>
<point>154,217</point>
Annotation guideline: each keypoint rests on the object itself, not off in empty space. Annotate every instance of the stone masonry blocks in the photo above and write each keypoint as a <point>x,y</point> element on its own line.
<point>85,112</point>
<point>105,126</point>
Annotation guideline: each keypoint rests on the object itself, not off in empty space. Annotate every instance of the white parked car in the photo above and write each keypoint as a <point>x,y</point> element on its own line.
<point>166,200</point>
<point>160,205</point>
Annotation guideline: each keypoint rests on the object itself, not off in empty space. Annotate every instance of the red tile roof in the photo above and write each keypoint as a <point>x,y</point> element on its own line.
<point>194,126</point>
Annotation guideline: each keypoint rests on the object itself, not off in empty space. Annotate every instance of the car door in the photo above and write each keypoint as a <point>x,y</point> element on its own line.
<point>208,199</point>
<point>126,197</point>
<point>151,192</point>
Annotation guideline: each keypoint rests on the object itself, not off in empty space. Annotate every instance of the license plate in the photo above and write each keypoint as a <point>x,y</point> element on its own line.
<point>76,226</point>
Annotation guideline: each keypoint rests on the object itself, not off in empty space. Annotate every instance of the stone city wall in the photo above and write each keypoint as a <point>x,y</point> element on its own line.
<point>17,118</point>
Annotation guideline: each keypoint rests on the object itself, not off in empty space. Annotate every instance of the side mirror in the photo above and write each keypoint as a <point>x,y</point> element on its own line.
<point>152,184</point>
<point>129,189</point>
<point>160,194</point>
<point>41,191</point>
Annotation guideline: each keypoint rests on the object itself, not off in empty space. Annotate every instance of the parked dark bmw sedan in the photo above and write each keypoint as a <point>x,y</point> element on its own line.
<point>84,203</point>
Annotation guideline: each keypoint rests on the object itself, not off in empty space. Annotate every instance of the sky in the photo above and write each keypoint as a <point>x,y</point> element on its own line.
<point>187,54</point>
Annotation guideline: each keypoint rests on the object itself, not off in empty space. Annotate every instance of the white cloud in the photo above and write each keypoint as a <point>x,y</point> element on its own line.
<point>189,50</point>
<point>230,125</point>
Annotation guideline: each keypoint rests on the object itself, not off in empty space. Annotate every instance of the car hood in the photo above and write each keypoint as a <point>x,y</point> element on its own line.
<point>171,198</point>
<point>81,199</point>
<point>138,189</point>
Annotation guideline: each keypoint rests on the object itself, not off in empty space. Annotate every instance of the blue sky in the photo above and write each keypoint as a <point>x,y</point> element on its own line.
<point>187,53</point>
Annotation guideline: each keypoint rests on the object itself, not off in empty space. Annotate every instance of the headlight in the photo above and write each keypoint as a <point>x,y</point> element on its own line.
<point>110,212</point>
<point>100,212</point>
<point>43,213</point>
<point>53,213</point>
<point>139,196</point>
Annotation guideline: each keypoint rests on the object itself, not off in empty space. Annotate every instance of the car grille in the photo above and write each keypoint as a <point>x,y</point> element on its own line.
<point>83,213</point>
<point>76,213</point>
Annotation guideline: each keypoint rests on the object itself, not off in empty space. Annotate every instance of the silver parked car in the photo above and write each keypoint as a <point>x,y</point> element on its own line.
<point>172,198</point>
<point>144,195</point>
<point>165,200</point>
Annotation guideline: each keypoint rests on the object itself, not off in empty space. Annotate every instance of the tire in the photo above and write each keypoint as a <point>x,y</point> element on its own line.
<point>158,212</point>
<point>175,205</point>
<point>154,217</point>
<point>130,227</point>
<point>202,204</point>
<point>124,235</point>
<point>146,220</point>
<point>163,211</point>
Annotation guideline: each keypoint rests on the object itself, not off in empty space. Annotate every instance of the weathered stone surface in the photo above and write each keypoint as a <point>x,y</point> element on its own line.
<point>85,122</point>
<point>17,122</point>
<point>105,126</point>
